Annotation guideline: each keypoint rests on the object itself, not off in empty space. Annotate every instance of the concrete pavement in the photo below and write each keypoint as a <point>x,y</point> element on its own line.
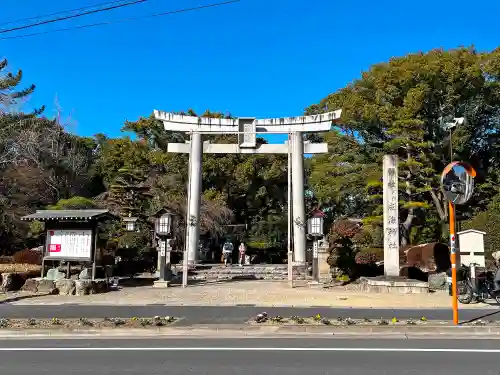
<point>249,356</point>
<point>258,293</point>
<point>231,314</point>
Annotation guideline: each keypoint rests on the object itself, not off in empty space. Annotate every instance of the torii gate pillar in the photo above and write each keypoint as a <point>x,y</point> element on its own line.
<point>247,128</point>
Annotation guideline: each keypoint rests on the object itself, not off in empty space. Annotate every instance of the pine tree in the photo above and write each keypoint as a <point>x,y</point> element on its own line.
<point>129,192</point>
<point>10,94</point>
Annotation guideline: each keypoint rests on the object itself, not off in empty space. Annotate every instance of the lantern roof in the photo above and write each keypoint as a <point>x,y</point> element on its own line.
<point>162,212</point>
<point>317,213</point>
<point>130,219</point>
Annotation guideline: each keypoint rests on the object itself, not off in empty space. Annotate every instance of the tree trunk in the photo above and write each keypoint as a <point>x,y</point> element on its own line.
<point>441,208</point>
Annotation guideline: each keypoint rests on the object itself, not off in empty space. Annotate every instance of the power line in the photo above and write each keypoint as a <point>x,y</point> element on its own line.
<point>62,12</point>
<point>200,7</point>
<point>3,31</point>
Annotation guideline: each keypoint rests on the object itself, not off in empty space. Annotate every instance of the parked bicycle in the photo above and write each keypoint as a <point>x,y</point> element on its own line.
<point>482,289</point>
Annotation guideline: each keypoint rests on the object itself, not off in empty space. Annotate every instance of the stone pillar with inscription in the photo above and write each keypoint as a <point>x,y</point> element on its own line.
<point>391,215</point>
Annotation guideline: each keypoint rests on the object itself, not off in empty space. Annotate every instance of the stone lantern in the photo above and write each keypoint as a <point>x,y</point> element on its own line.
<point>130,223</point>
<point>315,230</point>
<point>163,224</point>
<point>164,233</point>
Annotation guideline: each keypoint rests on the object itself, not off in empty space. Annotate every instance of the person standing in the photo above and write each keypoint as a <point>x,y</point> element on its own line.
<point>496,258</point>
<point>227,251</point>
<point>242,250</point>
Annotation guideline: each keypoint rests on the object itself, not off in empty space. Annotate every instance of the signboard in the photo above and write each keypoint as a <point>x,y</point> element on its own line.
<point>471,247</point>
<point>391,215</point>
<point>247,128</point>
<point>162,246</point>
<point>69,244</point>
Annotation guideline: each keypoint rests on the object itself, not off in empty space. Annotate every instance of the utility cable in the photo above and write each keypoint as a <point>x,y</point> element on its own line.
<point>2,31</point>
<point>185,10</point>
<point>62,12</point>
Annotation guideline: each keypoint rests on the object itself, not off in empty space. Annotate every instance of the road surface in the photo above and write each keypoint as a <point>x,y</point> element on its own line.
<point>249,356</point>
<point>230,314</point>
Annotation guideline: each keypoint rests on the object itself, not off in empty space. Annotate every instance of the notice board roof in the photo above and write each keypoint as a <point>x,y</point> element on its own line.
<point>56,215</point>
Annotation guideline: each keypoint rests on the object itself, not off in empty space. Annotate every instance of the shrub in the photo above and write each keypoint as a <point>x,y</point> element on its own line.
<point>345,228</point>
<point>365,258</point>
<point>85,322</point>
<point>332,259</point>
<point>146,322</point>
<point>343,278</point>
<point>298,319</point>
<point>278,319</point>
<point>349,321</point>
<point>27,256</point>
<point>343,250</point>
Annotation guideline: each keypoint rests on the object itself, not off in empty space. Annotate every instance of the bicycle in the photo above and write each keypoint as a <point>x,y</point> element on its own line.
<point>483,289</point>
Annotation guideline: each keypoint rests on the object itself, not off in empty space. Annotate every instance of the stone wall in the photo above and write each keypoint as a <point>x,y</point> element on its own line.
<point>65,287</point>
<point>55,284</point>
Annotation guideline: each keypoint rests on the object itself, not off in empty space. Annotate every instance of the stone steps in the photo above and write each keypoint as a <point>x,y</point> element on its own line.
<point>279,272</point>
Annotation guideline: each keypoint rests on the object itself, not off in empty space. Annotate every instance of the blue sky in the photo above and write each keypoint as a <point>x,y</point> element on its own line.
<point>254,58</point>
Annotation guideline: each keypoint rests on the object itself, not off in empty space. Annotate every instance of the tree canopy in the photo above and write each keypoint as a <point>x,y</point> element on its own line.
<point>396,107</point>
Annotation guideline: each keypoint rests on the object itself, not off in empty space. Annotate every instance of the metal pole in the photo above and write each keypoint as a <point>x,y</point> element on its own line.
<point>289,213</point>
<point>451,145</point>
<point>186,244</point>
<point>453,250</point>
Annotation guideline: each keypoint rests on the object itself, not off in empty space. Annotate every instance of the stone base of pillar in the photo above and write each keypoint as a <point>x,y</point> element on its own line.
<point>315,285</point>
<point>161,284</point>
<point>323,266</point>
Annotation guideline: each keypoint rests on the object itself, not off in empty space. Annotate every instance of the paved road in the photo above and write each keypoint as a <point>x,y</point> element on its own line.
<point>230,315</point>
<point>249,356</point>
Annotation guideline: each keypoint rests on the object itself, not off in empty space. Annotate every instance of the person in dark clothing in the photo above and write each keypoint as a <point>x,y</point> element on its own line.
<point>496,258</point>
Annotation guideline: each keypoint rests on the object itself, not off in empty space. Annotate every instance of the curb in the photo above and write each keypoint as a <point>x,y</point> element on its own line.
<point>244,305</point>
<point>240,331</point>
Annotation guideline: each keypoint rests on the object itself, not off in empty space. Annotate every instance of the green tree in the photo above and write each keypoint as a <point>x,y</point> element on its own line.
<point>488,221</point>
<point>395,108</point>
<point>338,178</point>
<point>10,94</point>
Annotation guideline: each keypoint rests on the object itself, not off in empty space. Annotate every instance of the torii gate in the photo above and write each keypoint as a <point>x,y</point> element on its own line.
<point>247,128</point>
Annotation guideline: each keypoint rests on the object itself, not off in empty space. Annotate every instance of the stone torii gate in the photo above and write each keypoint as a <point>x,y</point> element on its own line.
<point>247,129</point>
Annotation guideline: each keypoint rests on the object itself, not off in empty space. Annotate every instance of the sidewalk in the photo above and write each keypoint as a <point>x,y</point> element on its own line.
<point>259,293</point>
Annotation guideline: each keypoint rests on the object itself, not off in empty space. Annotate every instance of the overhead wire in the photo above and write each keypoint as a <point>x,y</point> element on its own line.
<point>112,7</point>
<point>62,12</point>
<point>184,10</point>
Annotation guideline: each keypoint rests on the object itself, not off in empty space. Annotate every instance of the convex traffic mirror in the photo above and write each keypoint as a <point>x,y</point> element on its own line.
<point>457,182</point>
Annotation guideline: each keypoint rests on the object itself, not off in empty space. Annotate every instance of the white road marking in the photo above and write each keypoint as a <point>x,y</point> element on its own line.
<point>254,349</point>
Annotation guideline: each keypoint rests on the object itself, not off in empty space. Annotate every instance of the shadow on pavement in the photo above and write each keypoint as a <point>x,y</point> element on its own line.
<point>489,315</point>
<point>23,297</point>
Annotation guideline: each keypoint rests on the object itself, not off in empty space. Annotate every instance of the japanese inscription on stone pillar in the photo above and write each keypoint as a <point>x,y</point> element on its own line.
<point>391,215</point>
